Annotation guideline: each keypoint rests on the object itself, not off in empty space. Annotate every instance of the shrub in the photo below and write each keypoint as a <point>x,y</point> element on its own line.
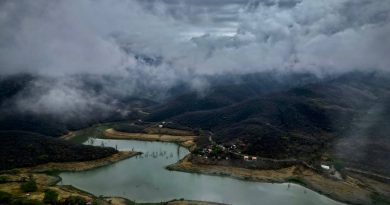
<point>29,186</point>
<point>75,200</point>
<point>5,198</point>
<point>338,164</point>
<point>23,201</point>
<point>297,181</point>
<point>43,158</point>
<point>379,199</point>
<point>51,197</point>
<point>3,179</point>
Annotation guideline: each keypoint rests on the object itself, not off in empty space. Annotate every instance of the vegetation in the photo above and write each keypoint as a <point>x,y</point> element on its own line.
<point>51,197</point>
<point>75,200</point>
<point>338,164</point>
<point>29,186</point>
<point>378,199</point>
<point>130,128</point>
<point>5,198</point>
<point>294,120</point>
<point>297,181</point>
<point>216,151</point>
<point>24,201</point>
<point>21,149</point>
<point>3,179</point>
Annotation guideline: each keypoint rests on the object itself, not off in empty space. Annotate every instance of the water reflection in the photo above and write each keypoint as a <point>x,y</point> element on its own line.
<point>145,179</point>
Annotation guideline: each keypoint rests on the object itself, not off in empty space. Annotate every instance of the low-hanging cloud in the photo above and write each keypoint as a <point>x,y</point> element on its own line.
<point>186,40</point>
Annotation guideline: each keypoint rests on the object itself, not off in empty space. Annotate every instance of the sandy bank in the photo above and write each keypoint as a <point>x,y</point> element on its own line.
<point>81,166</point>
<point>123,201</point>
<point>68,136</point>
<point>190,202</point>
<point>350,190</point>
<point>184,140</point>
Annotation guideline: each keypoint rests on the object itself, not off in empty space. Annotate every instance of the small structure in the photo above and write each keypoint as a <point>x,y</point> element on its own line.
<point>246,157</point>
<point>160,126</point>
<point>325,167</point>
<point>254,158</point>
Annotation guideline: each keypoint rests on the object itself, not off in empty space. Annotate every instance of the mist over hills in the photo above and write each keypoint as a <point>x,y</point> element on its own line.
<point>288,79</point>
<point>275,115</point>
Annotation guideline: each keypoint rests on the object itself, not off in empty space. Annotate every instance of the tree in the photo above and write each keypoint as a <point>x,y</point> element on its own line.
<point>3,179</point>
<point>29,186</point>
<point>24,201</point>
<point>73,200</point>
<point>5,198</point>
<point>51,197</point>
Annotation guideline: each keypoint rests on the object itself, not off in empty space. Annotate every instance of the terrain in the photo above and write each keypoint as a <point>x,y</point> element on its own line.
<point>283,121</point>
<point>341,184</point>
<point>24,98</point>
<point>23,149</point>
<point>343,119</point>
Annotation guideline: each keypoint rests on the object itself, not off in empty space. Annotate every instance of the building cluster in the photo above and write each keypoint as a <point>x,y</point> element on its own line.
<point>250,158</point>
<point>226,152</point>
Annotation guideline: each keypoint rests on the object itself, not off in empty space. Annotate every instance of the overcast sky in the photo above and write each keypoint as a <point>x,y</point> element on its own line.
<point>194,36</point>
<point>190,39</point>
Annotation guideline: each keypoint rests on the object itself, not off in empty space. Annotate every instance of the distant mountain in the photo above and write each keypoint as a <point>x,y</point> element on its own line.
<point>344,116</point>
<point>111,105</point>
<point>228,90</point>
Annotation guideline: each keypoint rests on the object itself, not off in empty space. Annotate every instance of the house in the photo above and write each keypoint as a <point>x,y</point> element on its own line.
<point>254,158</point>
<point>325,167</point>
<point>246,157</point>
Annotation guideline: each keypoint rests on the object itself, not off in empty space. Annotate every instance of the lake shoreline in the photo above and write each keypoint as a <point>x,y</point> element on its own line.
<point>184,141</point>
<point>46,177</point>
<point>348,191</point>
<point>80,166</point>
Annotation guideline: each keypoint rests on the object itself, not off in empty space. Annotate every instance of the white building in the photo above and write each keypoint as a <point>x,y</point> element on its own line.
<point>326,167</point>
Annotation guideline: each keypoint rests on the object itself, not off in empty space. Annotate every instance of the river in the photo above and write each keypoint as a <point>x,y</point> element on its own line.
<point>145,179</point>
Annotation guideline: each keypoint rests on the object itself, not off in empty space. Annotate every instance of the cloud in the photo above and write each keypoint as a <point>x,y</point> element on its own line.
<point>152,45</point>
<point>314,36</point>
<point>88,37</point>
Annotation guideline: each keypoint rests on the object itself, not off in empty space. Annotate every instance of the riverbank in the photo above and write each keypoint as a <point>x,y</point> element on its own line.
<point>123,201</point>
<point>355,189</point>
<point>190,202</point>
<point>80,166</point>
<point>351,190</point>
<point>186,141</point>
<point>12,180</point>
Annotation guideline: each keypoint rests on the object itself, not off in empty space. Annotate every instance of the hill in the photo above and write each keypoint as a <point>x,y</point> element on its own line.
<point>24,149</point>
<point>344,117</point>
<point>15,88</point>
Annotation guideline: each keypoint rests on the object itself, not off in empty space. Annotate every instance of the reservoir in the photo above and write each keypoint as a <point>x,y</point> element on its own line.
<point>144,179</point>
